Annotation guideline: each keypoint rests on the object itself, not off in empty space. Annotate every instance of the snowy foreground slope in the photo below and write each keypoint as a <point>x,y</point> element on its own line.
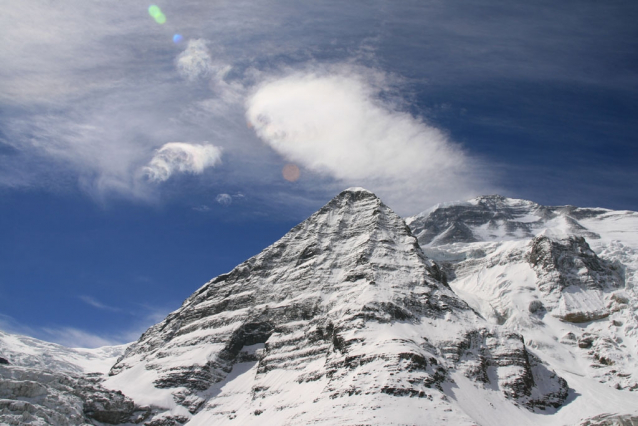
<point>503,312</point>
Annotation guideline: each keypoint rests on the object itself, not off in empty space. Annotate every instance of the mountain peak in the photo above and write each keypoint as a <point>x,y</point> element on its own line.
<point>355,194</point>
<point>357,189</point>
<point>346,309</point>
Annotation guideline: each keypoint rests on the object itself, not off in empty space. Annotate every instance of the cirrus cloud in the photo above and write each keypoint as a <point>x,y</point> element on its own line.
<point>183,158</point>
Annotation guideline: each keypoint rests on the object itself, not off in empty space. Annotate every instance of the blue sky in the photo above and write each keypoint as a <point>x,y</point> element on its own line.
<point>135,166</point>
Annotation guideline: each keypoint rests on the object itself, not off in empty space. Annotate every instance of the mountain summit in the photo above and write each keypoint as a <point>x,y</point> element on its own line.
<point>344,320</point>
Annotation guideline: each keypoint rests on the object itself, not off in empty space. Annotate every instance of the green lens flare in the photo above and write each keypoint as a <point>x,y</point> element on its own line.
<point>156,13</point>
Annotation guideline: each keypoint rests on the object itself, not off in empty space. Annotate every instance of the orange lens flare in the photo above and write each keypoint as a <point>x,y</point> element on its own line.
<point>291,172</point>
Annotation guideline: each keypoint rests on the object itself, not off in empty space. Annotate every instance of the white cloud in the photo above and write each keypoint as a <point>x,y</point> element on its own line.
<point>181,157</point>
<point>335,123</point>
<point>224,199</point>
<point>196,62</point>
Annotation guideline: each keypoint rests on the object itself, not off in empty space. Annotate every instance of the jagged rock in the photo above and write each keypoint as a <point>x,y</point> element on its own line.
<point>481,354</point>
<point>524,261</point>
<point>536,306</point>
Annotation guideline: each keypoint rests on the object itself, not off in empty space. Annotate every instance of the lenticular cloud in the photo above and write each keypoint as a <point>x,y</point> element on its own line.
<point>336,124</point>
<point>183,158</point>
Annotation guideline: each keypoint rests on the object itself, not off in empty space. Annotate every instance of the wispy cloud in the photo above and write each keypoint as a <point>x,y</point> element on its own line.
<point>91,90</point>
<point>66,336</point>
<point>195,61</point>
<point>224,199</point>
<point>97,304</point>
<point>181,157</point>
<point>76,338</point>
<point>142,317</point>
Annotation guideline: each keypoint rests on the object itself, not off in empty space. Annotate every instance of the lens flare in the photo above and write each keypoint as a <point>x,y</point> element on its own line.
<point>156,13</point>
<point>177,38</point>
<point>291,172</point>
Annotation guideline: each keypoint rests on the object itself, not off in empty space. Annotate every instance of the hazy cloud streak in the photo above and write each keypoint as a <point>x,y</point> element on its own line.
<point>97,304</point>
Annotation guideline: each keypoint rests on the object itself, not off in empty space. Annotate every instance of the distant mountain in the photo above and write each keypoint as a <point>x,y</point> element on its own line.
<point>492,311</point>
<point>497,218</point>
<point>29,352</point>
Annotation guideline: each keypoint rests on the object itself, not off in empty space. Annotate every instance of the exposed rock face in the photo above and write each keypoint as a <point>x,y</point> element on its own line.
<point>481,354</point>
<point>32,397</point>
<point>573,277</point>
<point>344,309</point>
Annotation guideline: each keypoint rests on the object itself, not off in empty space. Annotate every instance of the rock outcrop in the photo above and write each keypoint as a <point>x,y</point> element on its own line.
<point>573,278</point>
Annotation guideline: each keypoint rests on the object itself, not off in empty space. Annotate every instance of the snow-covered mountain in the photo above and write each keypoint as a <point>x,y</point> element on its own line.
<point>488,312</point>
<point>29,352</point>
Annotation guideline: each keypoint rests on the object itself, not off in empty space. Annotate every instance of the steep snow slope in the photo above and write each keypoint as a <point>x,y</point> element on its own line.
<point>564,277</point>
<point>342,321</point>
